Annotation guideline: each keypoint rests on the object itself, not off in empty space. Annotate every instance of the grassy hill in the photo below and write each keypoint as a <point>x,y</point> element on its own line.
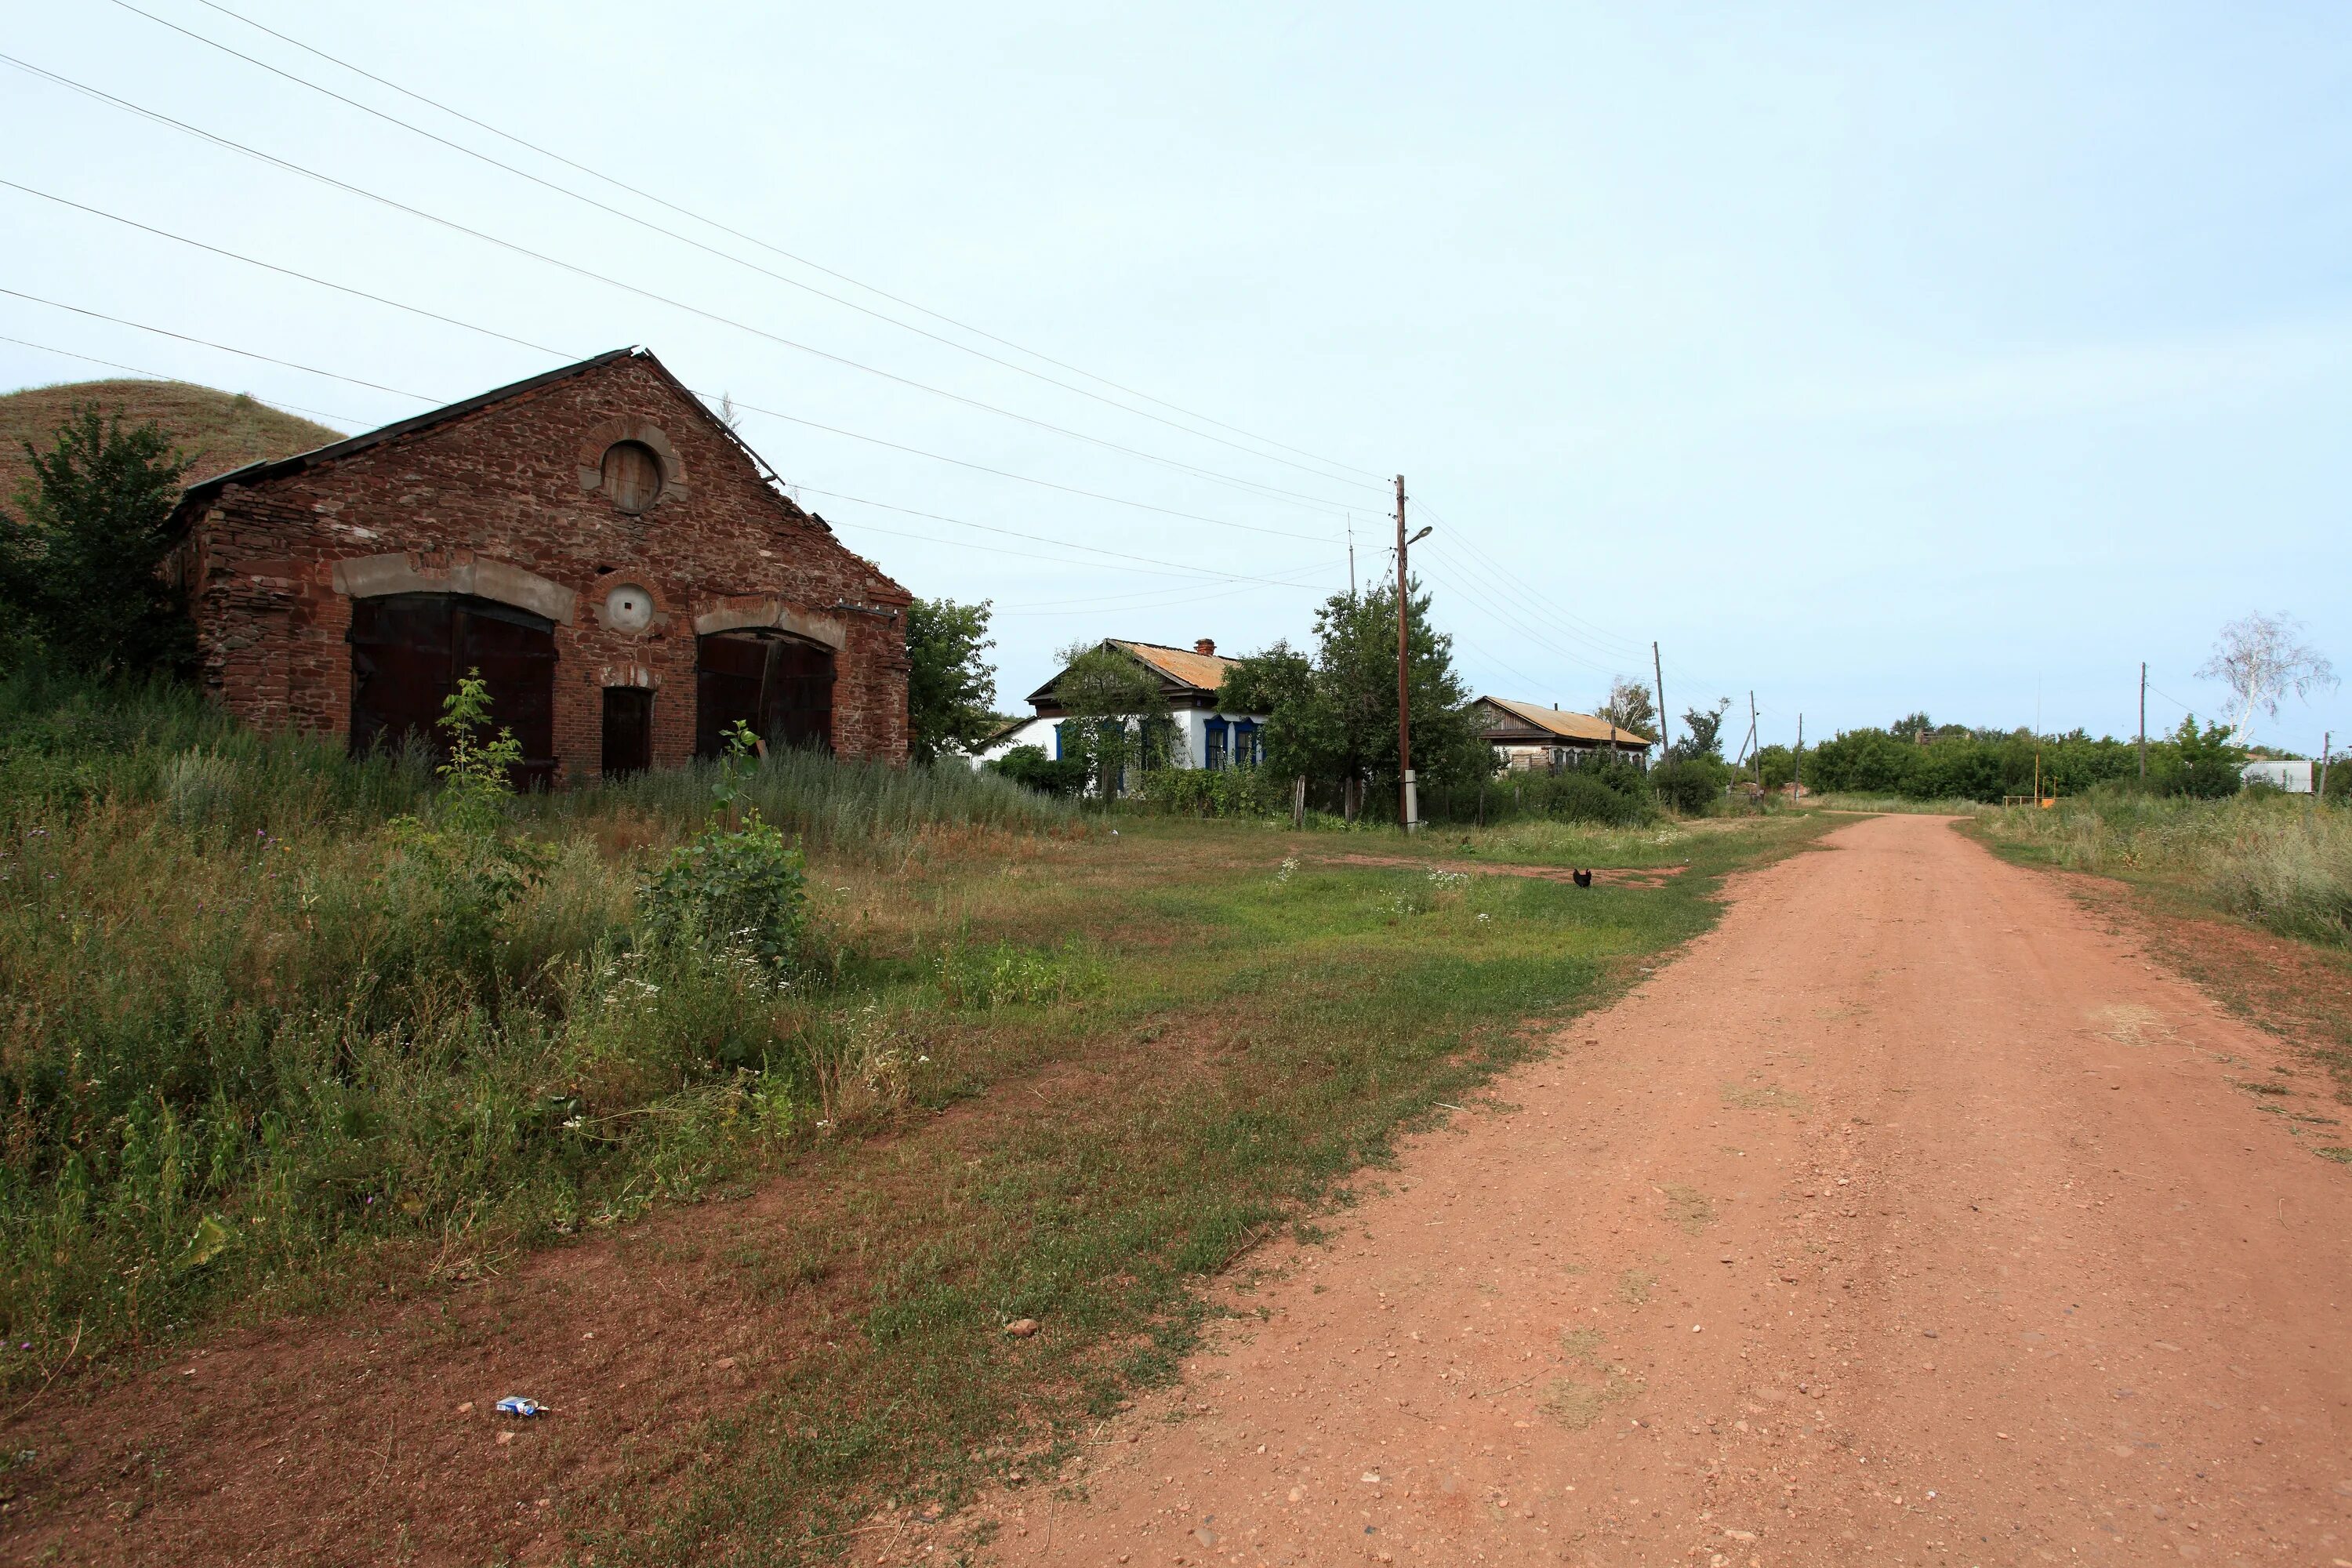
<point>221,430</point>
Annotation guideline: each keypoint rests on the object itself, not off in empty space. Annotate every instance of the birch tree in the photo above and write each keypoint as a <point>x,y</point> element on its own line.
<point>2263,659</point>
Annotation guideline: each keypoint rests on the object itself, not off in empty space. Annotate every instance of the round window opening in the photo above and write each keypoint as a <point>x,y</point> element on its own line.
<point>629,608</point>
<point>633,476</point>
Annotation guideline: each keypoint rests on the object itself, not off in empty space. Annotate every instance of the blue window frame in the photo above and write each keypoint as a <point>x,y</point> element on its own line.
<point>1216,737</point>
<point>1249,743</point>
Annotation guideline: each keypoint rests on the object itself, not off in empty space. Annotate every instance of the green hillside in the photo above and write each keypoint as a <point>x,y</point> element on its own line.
<point>221,430</point>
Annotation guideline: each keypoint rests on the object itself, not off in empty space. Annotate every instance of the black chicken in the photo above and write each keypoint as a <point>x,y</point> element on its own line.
<point>1582,878</point>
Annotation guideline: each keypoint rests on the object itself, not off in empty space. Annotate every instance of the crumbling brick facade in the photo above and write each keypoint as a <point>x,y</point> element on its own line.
<point>516,499</point>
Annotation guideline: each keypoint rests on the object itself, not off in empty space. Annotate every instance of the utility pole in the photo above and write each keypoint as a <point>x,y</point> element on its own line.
<point>2143,723</point>
<point>1351,557</point>
<point>1408,802</point>
<point>1755,752</point>
<point>1800,764</point>
<point>1665,731</point>
<point>2320,791</point>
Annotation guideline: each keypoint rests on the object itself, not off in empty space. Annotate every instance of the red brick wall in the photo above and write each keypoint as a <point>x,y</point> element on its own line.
<point>504,484</point>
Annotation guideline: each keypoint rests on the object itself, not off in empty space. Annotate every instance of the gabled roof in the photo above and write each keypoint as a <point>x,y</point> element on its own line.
<point>1583,727</point>
<point>263,472</point>
<point>1202,671</point>
<point>1187,670</point>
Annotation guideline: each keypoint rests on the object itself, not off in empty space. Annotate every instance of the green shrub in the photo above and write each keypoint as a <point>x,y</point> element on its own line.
<point>1221,791</point>
<point>740,890</point>
<point>1692,785</point>
<point>1031,768</point>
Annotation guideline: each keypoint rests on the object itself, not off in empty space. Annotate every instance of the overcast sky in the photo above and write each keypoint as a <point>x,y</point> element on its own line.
<point>1872,357</point>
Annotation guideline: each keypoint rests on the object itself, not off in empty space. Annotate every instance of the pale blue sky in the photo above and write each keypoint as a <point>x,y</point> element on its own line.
<point>1873,357</point>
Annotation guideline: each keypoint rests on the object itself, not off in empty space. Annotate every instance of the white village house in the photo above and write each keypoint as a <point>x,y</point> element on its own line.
<point>1189,678</point>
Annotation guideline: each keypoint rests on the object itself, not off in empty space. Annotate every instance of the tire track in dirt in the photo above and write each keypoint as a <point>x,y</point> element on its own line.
<point>1908,1216</point>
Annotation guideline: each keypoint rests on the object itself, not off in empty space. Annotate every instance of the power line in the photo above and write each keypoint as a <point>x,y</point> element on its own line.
<point>1047,539</point>
<point>1504,614</point>
<point>223,348</point>
<point>1176,567</point>
<point>764,245</point>
<point>570,354</point>
<point>1298,498</point>
<point>714,250</point>
<point>159,375</point>
<point>1296,580</point>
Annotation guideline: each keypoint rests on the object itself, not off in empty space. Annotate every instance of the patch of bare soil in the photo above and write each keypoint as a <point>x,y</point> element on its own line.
<point>1912,1214</point>
<point>2300,993</point>
<point>1603,875</point>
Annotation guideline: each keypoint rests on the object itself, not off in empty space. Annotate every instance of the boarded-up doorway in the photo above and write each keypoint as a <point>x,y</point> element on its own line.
<point>628,730</point>
<point>410,650</point>
<point>781,686</point>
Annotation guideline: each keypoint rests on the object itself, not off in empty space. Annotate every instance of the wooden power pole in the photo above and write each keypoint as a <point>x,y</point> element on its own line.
<point>2143,723</point>
<point>1800,764</point>
<point>1665,731</point>
<point>1408,807</point>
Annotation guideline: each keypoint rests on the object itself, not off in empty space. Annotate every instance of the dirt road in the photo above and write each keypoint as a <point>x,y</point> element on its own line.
<point>1909,1217</point>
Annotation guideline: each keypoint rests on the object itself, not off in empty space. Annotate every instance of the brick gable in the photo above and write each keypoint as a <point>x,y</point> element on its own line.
<point>503,497</point>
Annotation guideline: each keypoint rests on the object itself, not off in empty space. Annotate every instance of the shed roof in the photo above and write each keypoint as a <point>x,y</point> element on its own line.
<point>1580,727</point>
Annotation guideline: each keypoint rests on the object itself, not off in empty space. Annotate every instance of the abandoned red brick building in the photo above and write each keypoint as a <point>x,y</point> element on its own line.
<point>618,565</point>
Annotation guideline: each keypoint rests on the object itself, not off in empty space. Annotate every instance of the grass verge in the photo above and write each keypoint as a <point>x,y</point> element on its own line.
<point>1251,1038</point>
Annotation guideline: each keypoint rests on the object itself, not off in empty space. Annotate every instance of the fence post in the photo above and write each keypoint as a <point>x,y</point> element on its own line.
<point>1299,802</point>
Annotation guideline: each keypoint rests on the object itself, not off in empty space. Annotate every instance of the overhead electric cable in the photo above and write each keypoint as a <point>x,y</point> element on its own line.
<point>651,226</point>
<point>1294,497</point>
<point>1047,539</point>
<point>287,271</point>
<point>174,380</point>
<point>1211,573</point>
<point>223,348</point>
<point>764,245</point>
<point>573,354</point>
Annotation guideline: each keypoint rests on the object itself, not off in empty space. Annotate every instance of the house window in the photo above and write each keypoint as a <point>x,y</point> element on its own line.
<point>1249,743</point>
<point>1216,728</point>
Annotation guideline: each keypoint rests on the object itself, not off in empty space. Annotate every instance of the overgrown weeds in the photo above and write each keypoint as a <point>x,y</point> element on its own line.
<point>2282,861</point>
<point>264,1005</point>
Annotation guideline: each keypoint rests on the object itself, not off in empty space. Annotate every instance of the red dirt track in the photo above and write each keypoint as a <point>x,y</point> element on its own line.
<point>1909,1217</point>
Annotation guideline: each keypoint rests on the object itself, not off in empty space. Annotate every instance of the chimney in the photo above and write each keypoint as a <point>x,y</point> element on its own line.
<point>1207,646</point>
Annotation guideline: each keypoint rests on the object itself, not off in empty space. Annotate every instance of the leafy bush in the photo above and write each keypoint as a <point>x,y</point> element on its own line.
<point>1031,768</point>
<point>740,889</point>
<point>1616,794</point>
<point>1222,792</point>
<point>1916,761</point>
<point>1692,785</point>
<point>729,892</point>
<point>461,861</point>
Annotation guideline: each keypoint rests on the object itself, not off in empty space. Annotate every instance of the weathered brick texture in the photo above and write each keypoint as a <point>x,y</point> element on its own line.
<point>272,563</point>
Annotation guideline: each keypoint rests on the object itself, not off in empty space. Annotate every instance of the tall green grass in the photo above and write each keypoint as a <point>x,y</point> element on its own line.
<point>837,807</point>
<point>245,1033</point>
<point>2278,860</point>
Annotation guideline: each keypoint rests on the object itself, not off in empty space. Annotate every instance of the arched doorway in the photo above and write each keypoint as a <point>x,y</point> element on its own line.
<point>410,650</point>
<point>780,685</point>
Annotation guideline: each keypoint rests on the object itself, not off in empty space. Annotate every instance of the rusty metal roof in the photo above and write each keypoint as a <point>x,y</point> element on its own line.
<point>1581,727</point>
<point>1204,671</point>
